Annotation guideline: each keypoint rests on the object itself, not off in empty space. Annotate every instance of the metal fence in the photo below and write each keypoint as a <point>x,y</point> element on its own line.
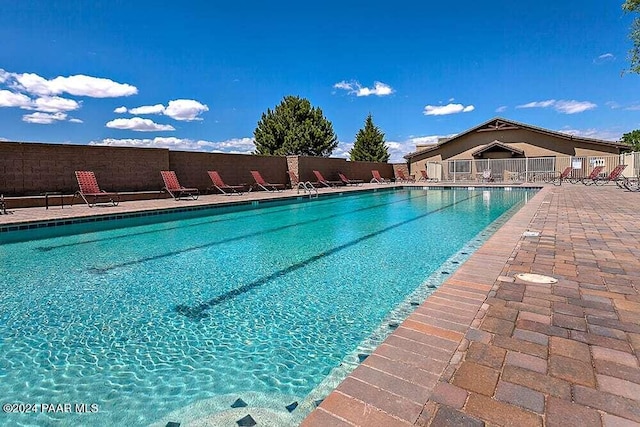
<point>529,169</point>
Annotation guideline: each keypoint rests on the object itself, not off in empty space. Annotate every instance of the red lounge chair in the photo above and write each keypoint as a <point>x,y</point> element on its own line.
<point>595,173</point>
<point>613,176</point>
<point>174,188</point>
<point>266,186</point>
<point>379,179</point>
<point>425,176</point>
<point>89,190</point>
<point>324,182</point>
<point>402,177</point>
<point>347,181</point>
<point>563,176</point>
<point>219,185</point>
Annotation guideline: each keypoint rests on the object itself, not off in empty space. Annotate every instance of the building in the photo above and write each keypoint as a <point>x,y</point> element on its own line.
<point>509,148</point>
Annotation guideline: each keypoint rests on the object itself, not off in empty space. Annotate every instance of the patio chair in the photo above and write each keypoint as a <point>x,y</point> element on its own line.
<point>402,177</point>
<point>487,176</point>
<point>91,192</point>
<point>173,187</point>
<point>595,173</point>
<point>266,186</point>
<point>614,176</point>
<point>3,205</point>
<point>347,181</point>
<point>220,185</point>
<point>377,178</point>
<point>564,175</point>
<point>324,182</point>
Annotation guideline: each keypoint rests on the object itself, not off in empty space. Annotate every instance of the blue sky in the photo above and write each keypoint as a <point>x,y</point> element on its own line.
<point>199,74</point>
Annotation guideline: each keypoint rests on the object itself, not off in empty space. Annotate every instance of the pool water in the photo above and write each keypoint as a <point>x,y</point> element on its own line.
<point>177,320</point>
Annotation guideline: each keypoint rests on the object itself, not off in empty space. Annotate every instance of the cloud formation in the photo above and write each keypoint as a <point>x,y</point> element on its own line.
<point>231,146</point>
<point>44,118</point>
<point>78,85</point>
<point>562,106</point>
<point>178,109</point>
<point>501,109</point>
<point>605,57</point>
<point>12,99</point>
<point>185,109</point>
<point>355,88</point>
<point>138,124</point>
<point>443,110</point>
<point>30,91</point>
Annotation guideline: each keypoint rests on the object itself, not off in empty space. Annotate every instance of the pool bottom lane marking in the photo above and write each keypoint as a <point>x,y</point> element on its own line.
<point>104,270</point>
<point>199,311</point>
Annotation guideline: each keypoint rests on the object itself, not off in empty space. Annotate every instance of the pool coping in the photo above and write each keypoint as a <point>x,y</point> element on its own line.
<point>391,386</point>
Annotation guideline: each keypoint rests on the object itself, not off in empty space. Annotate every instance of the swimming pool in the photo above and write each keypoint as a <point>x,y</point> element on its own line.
<point>181,320</point>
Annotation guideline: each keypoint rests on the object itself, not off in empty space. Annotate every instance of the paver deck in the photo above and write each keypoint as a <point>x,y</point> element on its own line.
<point>490,349</point>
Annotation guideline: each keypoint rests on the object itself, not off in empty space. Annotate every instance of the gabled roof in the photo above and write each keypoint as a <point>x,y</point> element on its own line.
<point>499,123</point>
<point>500,145</point>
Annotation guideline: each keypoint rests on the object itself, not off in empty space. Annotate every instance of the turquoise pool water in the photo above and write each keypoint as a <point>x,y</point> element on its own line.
<point>175,321</point>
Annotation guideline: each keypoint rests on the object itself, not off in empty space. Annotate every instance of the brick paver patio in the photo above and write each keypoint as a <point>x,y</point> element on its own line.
<point>490,349</point>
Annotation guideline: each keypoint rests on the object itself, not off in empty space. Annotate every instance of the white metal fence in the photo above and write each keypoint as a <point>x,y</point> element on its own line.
<point>529,169</point>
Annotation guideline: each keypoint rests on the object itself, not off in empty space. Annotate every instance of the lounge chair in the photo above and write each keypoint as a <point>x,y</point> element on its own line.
<point>220,185</point>
<point>403,178</point>
<point>424,176</point>
<point>614,176</point>
<point>91,192</point>
<point>595,173</point>
<point>347,181</point>
<point>324,182</point>
<point>487,176</point>
<point>378,178</point>
<point>173,187</point>
<point>564,175</point>
<point>266,186</point>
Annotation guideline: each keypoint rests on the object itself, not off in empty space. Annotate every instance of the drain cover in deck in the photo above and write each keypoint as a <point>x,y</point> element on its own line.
<point>536,278</point>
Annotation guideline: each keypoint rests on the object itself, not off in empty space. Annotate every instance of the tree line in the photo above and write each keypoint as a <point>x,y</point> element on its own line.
<point>295,127</point>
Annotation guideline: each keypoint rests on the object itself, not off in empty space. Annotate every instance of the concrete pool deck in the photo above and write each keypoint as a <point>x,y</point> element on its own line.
<point>487,348</point>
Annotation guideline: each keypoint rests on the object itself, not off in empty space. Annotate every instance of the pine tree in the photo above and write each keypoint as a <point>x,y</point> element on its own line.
<point>370,145</point>
<point>295,127</point>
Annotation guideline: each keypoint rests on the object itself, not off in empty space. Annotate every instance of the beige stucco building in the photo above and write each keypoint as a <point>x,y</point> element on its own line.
<point>501,138</point>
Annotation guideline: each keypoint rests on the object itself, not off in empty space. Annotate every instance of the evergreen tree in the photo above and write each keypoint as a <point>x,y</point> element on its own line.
<point>632,139</point>
<point>370,145</point>
<point>633,6</point>
<point>295,127</point>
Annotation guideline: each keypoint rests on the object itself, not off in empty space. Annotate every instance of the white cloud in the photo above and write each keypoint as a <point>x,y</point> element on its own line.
<point>538,104</point>
<point>501,109</point>
<point>120,110</point>
<point>78,85</point>
<point>75,121</point>
<point>607,135</point>
<point>442,110</point>
<point>235,145</point>
<point>573,107</point>
<point>54,104</point>
<point>185,109</point>
<point>44,118</point>
<point>355,88</point>
<point>562,106</point>
<point>138,124</point>
<point>4,76</point>
<point>12,99</point>
<point>612,104</point>
<point>605,57</point>
<point>147,109</point>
